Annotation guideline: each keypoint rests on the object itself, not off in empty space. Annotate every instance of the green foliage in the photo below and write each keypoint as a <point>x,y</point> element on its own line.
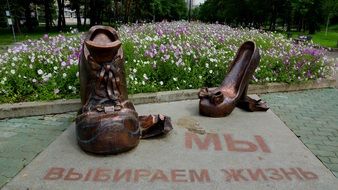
<point>160,9</point>
<point>158,57</point>
<point>303,15</point>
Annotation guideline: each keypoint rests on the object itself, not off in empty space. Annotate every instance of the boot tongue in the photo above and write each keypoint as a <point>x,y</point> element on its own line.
<point>103,52</point>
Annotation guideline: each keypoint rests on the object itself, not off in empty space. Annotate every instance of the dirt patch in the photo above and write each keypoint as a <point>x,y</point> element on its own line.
<point>191,124</point>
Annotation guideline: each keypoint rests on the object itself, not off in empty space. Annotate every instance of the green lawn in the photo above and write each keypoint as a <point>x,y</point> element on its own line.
<point>6,35</point>
<point>329,40</point>
<point>7,39</point>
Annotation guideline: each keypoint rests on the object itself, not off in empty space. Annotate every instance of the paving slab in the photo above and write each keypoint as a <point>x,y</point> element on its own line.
<point>246,150</point>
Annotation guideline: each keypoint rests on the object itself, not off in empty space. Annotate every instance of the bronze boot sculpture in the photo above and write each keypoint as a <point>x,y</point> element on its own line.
<point>221,101</point>
<point>107,122</point>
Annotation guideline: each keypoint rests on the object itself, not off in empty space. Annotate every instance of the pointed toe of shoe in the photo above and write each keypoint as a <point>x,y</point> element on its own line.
<point>210,109</point>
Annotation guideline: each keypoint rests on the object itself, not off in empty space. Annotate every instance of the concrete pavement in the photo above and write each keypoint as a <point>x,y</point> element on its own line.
<point>246,150</point>
<point>22,139</point>
<point>311,115</point>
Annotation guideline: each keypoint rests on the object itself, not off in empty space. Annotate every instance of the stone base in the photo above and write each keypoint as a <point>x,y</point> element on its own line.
<point>242,151</point>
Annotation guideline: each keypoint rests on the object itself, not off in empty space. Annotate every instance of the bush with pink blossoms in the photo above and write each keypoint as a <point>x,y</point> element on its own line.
<point>44,69</point>
<point>182,55</point>
<point>159,56</point>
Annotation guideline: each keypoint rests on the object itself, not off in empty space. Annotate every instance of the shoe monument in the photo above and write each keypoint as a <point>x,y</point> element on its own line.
<point>221,101</point>
<point>108,123</point>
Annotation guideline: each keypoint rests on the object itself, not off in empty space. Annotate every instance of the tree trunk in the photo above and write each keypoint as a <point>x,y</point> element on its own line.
<point>28,18</point>
<point>116,3</point>
<point>48,16</point>
<point>17,24</point>
<point>78,15</point>
<point>299,25</point>
<point>127,10</point>
<point>61,15</point>
<point>273,18</point>
<point>85,13</point>
<point>327,24</point>
<point>92,14</point>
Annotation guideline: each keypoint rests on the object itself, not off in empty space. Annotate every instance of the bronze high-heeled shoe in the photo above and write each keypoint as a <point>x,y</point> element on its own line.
<point>221,101</point>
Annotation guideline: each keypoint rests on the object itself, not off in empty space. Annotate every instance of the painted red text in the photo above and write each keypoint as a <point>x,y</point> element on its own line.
<point>213,140</point>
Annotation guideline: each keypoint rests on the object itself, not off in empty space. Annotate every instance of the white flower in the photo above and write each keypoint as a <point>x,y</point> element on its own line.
<point>210,71</point>
<point>34,80</point>
<point>77,74</point>
<point>63,63</point>
<point>64,75</point>
<point>70,87</point>
<point>40,72</point>
<point>73,61</point>
<point>145,76</point>
<point>143,83</point>
<point>30,66</point>
<point>55,68</point>
<point>45,78</point>
<point>13,71</point>
<point>175,79</point>
<point>199,76</point>
<point>161,83</point>
<point>134,70</point>
<point>56,91</point>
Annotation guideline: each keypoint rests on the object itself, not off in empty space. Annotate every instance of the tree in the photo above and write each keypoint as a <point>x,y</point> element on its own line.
<point>330,9</point>
<point>61,15</point>
<point>48,14</point>
<point>314,15</point>
<point>75,5</point>
<point>158,10</point>
<point>28,18</point>
<point>97,10</point>
<point>18,9</point>
<point>127,9</point>
<point>305,14</point>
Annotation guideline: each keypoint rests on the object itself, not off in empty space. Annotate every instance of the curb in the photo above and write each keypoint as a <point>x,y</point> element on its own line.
<point>25,109</point>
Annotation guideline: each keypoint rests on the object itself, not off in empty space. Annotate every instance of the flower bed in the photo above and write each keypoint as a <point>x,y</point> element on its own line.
<point>160,56</point>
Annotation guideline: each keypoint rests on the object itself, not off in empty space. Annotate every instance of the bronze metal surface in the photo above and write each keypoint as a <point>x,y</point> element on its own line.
<point>108,122</point>
<point>221,101</point>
